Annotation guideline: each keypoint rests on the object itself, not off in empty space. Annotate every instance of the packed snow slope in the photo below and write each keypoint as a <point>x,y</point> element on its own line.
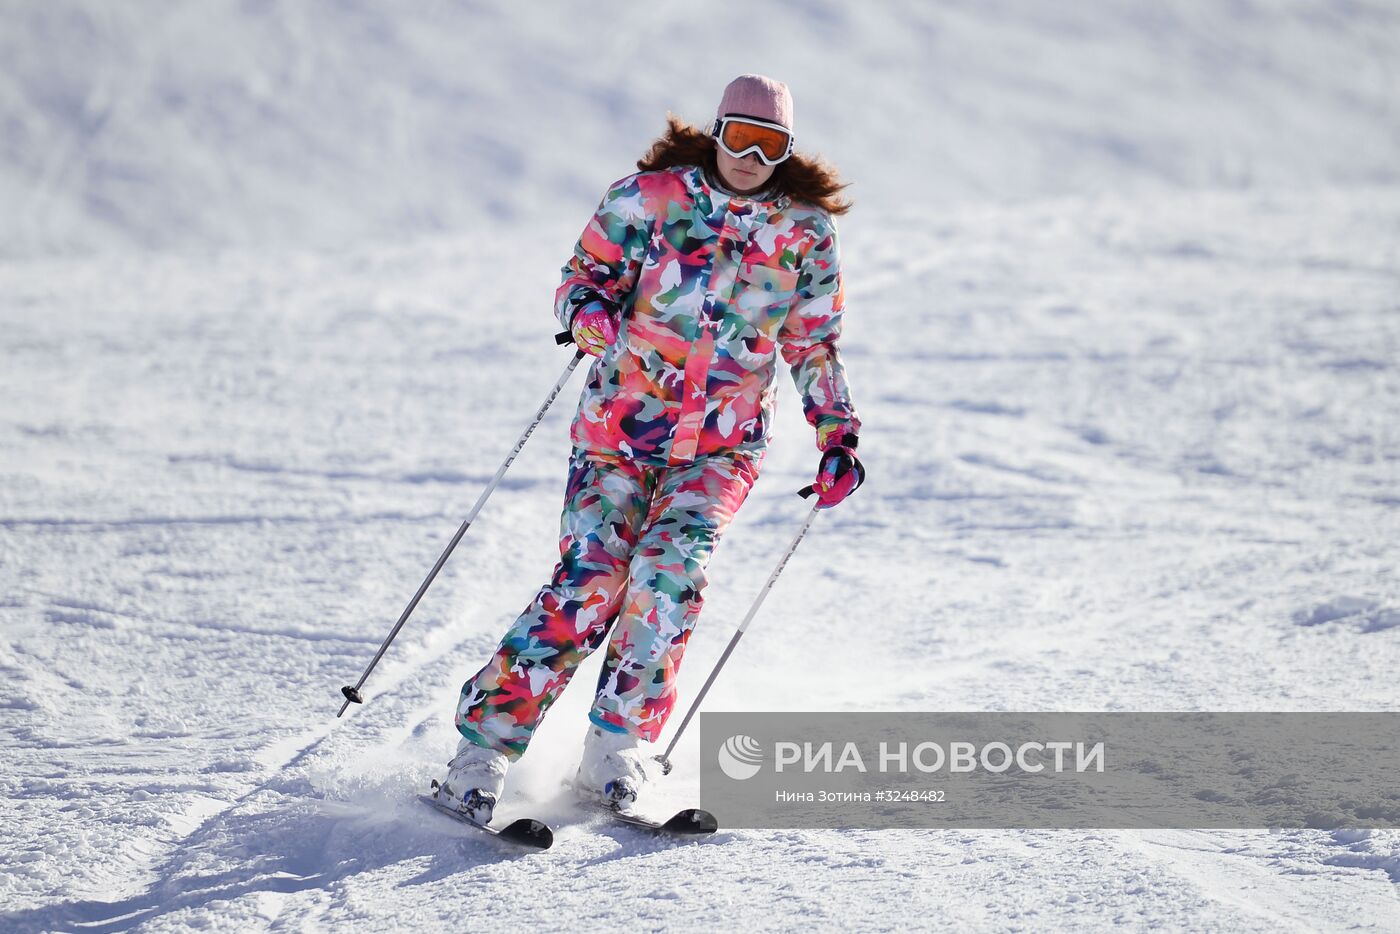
<point>275,288</point>
<point>183,125</point>
<point>1123,455</point>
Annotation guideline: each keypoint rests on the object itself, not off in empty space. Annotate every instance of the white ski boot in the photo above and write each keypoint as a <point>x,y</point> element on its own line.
<point>615,767</point>
<point>475,777</point>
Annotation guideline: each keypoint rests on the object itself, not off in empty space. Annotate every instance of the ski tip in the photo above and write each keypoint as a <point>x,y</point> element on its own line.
<point>692,820</point>
<point>524,832</point>
<point>529,832</point>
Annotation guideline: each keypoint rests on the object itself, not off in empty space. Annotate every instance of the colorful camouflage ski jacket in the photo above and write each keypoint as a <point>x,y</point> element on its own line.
<point>711,286</point>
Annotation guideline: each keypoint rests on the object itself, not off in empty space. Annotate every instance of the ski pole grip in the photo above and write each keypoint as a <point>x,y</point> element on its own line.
<point>806,491</point>
<point>563,337</point>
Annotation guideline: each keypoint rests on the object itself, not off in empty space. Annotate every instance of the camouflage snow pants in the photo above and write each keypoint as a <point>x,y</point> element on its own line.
<point>634,542</point>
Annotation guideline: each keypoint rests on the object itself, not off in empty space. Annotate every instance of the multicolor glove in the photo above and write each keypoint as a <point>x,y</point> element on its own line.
<point>839,472</point>
<point>594,329</point>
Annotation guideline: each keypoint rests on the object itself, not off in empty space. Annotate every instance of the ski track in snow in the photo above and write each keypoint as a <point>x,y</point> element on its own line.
<point>1123,455</point>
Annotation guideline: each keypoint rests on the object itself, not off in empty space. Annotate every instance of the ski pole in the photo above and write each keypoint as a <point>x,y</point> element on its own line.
<point>352,693</point>
<point>665,758</point>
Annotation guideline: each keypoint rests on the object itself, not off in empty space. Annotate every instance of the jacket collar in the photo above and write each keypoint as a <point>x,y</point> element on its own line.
<point>700,180</point>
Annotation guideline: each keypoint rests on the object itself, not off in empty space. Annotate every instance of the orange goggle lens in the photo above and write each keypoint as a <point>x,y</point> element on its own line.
<point>738,136</point>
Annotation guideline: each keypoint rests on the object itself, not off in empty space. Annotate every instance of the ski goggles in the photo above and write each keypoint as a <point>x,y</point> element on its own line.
<point>740,136</point>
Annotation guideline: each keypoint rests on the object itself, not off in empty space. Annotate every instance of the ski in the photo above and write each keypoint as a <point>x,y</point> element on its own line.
<point>524,832</point>
<point>690,822</point>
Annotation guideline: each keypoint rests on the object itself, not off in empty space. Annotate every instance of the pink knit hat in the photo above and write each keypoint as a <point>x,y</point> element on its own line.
<point>757,96</point>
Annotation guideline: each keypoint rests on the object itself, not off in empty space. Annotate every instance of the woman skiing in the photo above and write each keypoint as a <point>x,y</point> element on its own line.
<point>692,276</point>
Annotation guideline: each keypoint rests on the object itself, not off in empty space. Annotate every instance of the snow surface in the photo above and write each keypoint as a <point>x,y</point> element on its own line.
<point>1132,428</point>
<point>336,121</point>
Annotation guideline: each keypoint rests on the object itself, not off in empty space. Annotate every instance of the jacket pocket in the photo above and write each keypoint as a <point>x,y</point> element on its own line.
<point>778,283</point>
<point>763,296</point>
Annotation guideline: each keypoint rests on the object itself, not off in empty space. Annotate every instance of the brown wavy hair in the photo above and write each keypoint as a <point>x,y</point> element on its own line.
<point>802,178</point>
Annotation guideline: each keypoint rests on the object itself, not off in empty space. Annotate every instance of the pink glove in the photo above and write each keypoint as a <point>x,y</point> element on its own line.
<point>839,473</point>
<point>594,330</point>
